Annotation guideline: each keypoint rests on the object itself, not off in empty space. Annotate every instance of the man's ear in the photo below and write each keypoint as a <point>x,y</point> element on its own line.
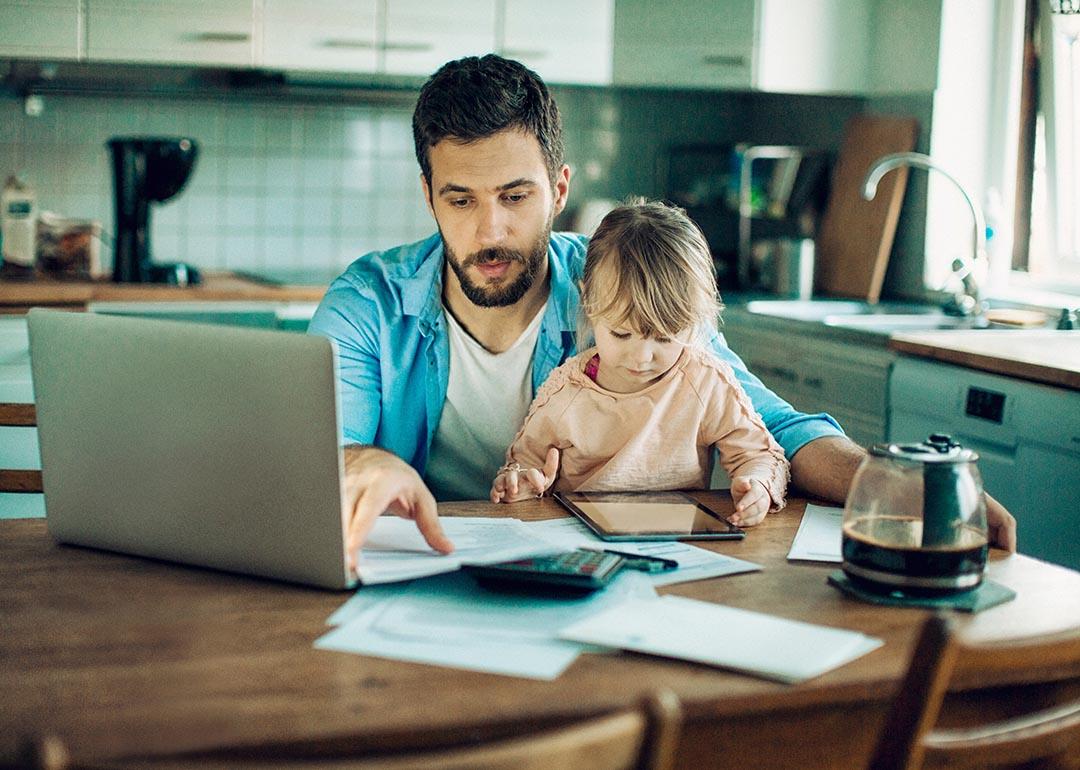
<point>562,188</point>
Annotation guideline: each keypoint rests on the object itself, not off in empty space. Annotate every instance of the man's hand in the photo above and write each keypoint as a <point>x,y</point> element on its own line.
<point>824,468</point>
<point>514,484</point>
<point>377,481</point>
<point>1001,525</point>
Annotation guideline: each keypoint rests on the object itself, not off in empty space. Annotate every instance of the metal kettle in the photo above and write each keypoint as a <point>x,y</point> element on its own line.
<point>915,519</point>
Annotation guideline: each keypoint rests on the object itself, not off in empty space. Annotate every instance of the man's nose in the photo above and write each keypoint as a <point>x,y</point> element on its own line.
<point>492,225</point>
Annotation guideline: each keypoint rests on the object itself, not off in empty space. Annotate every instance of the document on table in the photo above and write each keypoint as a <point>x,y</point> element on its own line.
<point>751,642</point>
<point>818,538</point>
<point>395,550</point>
<point>450,621</point>
<point>694,563</point>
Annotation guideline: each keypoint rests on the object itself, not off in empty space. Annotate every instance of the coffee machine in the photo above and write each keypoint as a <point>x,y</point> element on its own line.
<point>147,169</point>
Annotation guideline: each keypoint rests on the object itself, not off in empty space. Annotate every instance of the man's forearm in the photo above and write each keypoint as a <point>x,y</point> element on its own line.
<point>361,453</point>
<point>824,467</point>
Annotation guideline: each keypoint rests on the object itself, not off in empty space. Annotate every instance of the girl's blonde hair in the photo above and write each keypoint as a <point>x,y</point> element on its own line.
<point>648,267</point>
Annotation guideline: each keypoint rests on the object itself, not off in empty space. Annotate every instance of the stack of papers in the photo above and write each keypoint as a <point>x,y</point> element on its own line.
<point>450,621</point>
<point>768,646</point>
<point>408,610</point>
<point>395,550</point>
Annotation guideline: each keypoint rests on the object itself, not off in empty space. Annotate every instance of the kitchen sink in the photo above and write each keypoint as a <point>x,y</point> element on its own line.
<point>894,322</point>
<point>820,309</point>
<point>882,318</point>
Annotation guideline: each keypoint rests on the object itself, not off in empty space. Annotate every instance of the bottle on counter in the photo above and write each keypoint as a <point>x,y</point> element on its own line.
<point>18,229</point>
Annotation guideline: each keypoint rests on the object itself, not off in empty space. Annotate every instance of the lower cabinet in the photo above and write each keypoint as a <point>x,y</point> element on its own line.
<point>815,373</point>
<point>1027,436</point>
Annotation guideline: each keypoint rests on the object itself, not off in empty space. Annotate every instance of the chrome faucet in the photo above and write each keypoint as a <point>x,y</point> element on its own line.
<point>968,300</point>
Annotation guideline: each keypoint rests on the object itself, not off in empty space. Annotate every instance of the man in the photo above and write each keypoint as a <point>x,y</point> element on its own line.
<point>443,343</point>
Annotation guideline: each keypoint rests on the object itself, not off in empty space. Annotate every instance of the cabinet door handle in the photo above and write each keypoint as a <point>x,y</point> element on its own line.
<point>222,37</point>
<point>346,43</point>
<point>724,60</point>
<point>406,47</point>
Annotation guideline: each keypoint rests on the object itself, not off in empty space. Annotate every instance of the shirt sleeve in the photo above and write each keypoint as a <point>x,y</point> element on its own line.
<point>350,320</point>
<point>791,428</point>
<point>542,429</point>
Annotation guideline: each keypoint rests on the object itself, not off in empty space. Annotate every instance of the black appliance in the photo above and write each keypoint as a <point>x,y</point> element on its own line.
<point>147,169</point>
<point>742,193</point>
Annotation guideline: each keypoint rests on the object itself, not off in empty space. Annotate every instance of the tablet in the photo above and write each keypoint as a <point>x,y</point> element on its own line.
<point>647,516</point>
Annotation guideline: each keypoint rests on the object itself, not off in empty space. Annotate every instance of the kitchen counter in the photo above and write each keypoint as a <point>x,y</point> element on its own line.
<point>1041,355</point>
<point>18,296</point>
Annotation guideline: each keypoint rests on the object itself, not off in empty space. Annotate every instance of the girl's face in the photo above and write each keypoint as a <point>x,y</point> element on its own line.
<point>630,361</point>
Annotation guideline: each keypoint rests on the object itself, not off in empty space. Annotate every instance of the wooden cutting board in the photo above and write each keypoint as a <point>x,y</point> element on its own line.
<point>856,235</point>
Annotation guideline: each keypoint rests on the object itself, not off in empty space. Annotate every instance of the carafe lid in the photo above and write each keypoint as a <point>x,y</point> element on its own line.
<point>939,448</point>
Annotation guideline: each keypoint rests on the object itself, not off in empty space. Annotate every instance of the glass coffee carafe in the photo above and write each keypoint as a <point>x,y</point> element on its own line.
<point>915,520</point>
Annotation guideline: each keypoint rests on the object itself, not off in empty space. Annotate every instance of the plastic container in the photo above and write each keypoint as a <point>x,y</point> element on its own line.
<point>18,227</point>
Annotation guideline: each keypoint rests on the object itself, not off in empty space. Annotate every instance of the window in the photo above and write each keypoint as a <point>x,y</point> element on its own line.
<point>1054,253</point>
<point>995,97</point>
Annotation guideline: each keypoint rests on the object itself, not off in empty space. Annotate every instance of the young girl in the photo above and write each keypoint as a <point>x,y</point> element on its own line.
<point>644,407</point>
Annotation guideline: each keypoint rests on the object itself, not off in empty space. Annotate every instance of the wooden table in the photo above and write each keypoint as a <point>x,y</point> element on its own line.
<point>121,655</point>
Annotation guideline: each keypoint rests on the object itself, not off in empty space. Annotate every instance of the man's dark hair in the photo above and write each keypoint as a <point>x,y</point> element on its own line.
<point>476,97</point>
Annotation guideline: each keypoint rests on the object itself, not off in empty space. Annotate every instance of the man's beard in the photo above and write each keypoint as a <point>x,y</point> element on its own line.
<point>488,295</point>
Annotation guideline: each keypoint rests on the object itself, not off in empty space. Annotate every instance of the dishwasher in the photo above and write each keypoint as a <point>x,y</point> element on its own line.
<point>1027,436</point>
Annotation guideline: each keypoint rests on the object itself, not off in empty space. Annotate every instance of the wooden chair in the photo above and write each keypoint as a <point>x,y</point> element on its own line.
<point>640,738</point>
<point>1045,738</point>
<point>19,416</point>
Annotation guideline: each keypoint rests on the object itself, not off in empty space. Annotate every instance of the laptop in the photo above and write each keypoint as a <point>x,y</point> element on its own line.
<point>206,445</point>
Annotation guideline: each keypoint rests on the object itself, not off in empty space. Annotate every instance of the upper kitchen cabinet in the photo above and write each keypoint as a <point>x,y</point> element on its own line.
<point>212,32</point>
<point>691,43</point>
<point>421,36</point>
<point>41,29</point>
<point>541,36</point>
<point>322,36</point>
<point>813,46</point>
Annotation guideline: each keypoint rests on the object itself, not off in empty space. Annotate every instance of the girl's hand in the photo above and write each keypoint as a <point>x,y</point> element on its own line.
<point>751,501</point>
<point>515,483</point>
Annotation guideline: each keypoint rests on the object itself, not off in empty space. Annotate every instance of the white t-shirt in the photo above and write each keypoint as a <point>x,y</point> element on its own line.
<point>486,401</point>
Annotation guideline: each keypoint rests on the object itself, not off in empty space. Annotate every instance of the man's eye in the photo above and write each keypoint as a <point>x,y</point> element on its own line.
<point>459,203</point>
<point>515,197</point>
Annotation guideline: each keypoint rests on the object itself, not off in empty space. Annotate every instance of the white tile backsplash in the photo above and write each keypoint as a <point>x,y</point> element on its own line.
<point>274,186</point>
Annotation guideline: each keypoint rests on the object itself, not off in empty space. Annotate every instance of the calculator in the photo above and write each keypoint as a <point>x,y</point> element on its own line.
<point>572,573</point>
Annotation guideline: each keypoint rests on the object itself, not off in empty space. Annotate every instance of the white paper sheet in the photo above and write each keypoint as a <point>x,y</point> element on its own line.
<point>694,563</point>
<point>366,599</point>
<point>395,550</point>
<point>764,645</point>
<point>450,621</point>
<point>818,538</point>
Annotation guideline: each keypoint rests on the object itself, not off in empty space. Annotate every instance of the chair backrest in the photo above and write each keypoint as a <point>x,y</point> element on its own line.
<point>1048,736</point>
<point>641,738</point>
<point>29,481</point>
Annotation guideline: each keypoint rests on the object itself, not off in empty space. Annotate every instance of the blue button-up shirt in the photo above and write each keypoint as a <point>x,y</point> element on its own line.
<point>386,315</point>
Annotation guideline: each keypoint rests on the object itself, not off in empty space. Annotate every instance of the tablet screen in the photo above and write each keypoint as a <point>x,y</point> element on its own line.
<point>647,516</point>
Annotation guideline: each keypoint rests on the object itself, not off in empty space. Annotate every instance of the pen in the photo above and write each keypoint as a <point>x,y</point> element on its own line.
<point>645,563</point>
